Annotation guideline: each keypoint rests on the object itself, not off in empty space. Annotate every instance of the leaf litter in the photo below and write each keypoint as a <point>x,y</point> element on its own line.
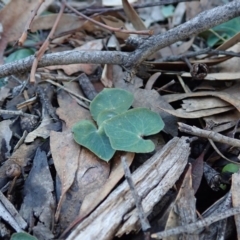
<point>50,184</point>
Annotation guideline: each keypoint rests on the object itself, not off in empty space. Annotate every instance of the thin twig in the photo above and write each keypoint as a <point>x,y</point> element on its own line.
<point>70,91</point>
<point>23,37</point>
<point>45,45</point>
<point>89,11</point>
<point>217,137</point>
<point>191,228</point>
<point>200,23</point>
<point>142,216</point>
<point>112,29</point>
<point>208,51</point>
<point>19,113</point>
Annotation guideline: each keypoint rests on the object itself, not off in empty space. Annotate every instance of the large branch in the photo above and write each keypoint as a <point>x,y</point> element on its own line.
<point>200,23</point>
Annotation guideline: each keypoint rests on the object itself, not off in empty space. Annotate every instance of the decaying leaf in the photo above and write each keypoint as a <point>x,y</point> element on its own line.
<point>65,153</point>
<point>38,193</point>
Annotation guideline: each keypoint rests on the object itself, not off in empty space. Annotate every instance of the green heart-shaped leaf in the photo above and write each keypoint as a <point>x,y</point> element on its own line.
<point>86,134</point>
<point>114,99</point>
<point>19,54</point>
<point>126,130</point>
<point>105,115</point>
<point>22,236</point>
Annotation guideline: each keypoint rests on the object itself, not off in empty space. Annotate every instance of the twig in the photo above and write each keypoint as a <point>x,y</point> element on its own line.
<point>191,228</point>
<point>135,6</point>
<point>203,21</point>
<point>70,91</point>
<point>45,45</point>
<point>217,137</point>
<point>142,216</point>
<point>20,113</point>
<point>45,101</point>
<point>200,23</point>
<point>144,32</point>
<point>200,52</point>
<point>23,37</point>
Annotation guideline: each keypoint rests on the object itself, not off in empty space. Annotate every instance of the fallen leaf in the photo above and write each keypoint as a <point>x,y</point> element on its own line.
<point>230,95</point>
<point>68,22</point>
<point>65,153</point>
<point>133,16</point>
<point>91,175</point>
<point>115,23</point>
<point>38,192</point>
<point>181,113</point>
<point>196,104</point>
<point>69,111</point>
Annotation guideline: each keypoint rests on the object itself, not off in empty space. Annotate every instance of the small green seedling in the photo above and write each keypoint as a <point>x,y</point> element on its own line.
<point>22,236</point>
<point>118,127</point>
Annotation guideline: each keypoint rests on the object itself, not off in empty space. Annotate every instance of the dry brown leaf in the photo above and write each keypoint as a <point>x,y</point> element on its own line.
<point>181,113</point>
<point>178,14</point>
<point>116,23</point>
<point>67,22</point>
<point>231,66</point>
<point>86,68</point>
<point>196,104</point>
<point>223,117</point>
<point>13,18</point>
<point>65,152</point>
<point>133,16</point>
<point>69,111</point>
<point>91,175</point>
<point>230,95</point>
<point>230,42</point>
<point>152,80</point>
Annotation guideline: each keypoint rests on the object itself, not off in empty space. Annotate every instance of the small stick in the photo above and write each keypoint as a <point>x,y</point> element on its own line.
<point>44,47</point>
<point>192,227</point>
<point>112,29</point>
<point>71,92</point>
<point>166,86</point>
<point>200,52</point>
<point>142,216</point>
<point>20,113</point>
<point>23,37</point>
<point>135,6</point>
<point>217,137</point>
